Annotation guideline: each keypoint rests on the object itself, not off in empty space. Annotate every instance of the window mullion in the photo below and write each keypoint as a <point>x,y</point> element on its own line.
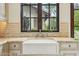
<point>39,16</point>
<point>28,13</point>
<point>57,6</point>
<point>30,17</point>
<point>49,16</point>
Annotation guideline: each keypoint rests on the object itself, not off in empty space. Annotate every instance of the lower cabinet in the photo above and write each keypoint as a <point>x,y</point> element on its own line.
<point>15,48</point>
<point>68,48</point>
<point>12,48</point>
<point>5,49</point>
<point>0,50</point>
<point>14,53</point>
<point>68,53</point>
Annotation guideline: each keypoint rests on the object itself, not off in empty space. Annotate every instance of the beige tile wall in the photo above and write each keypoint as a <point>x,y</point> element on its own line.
<point>13,30</point>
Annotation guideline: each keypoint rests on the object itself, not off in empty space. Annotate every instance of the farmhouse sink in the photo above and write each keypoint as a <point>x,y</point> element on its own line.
<point>40,46</point>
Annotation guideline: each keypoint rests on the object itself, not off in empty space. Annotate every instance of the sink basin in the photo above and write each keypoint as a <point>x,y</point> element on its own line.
<point>40,47</point>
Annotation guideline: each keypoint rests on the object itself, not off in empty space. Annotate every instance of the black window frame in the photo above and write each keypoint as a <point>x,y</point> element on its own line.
<point>72,20</point>
<point>40,23</point>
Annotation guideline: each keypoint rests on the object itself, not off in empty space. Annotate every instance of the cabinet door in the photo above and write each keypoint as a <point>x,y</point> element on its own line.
<point>68,53</point>
<point>78,49</point>
<point>0,50</point>
<point>14,53</point>
<point>15,45</point>
<point>0,47</point>
<point>5,49</point>
<point>68,45</point>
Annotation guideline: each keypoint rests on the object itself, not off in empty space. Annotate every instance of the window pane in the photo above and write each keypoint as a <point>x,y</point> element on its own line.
<point>45,24</point>
<point>53,24</point>
<point>76,23</point>
<point>34,25</point>
<point>76,15</point>
<point>76,20</point>
<point>26,24</point>
<point>34,10</point>
<point>30,17</point>
<point>76,6</point>
<point>26,11</point>
<point>76,28</point>
<point>45,10</point>
<point>53,10</point>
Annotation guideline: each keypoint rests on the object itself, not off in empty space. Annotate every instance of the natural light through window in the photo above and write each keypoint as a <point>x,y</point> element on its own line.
<point>40,16</point>
<point>76,20</point>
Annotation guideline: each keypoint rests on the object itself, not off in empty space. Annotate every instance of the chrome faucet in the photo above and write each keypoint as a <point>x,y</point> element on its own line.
<point>40,34</point>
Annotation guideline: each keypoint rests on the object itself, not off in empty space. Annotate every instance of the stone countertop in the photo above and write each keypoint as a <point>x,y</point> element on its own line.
<point>2,41</point>
<point>38,38</point>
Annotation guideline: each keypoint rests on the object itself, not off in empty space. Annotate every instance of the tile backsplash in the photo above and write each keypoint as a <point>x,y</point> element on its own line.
<point>14,30</point>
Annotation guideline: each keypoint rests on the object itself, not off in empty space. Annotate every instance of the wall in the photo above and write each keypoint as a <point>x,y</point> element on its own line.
<point>13,28</point>
<point>2,9</point>
<point>2,21</point>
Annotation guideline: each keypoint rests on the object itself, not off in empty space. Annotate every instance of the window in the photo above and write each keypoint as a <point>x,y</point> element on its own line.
<point>76,16</point>
<point>75,20</point>
<point>40,17</point>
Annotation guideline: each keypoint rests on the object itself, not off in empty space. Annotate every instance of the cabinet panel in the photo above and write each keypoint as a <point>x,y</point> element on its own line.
<point>68,53</point>
<point>0,47</point>
<point>78,45</point>
<point>5,49</point>
<point>68,45</point>
<point>14,53</point>
<point>15,48</point>
<point>0,52</point>
<point>14,45</point>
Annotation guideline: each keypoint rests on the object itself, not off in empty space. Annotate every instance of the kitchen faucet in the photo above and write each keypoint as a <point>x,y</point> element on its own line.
<point>40,34</point>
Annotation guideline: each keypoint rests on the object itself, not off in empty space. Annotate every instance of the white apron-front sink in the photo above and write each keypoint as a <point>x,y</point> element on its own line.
<point>40,47</point>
